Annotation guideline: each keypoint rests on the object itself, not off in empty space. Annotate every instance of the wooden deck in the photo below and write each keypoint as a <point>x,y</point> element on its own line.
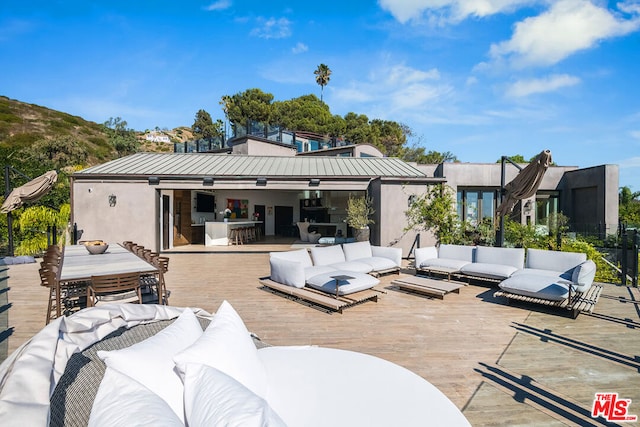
<point>500,364</point>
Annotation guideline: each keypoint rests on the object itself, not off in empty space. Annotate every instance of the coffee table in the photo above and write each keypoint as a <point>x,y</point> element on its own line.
<point>431,287</point>
<point>440,270</point>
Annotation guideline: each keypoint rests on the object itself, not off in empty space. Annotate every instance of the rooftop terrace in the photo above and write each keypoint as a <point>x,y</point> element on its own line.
<point>500,364</point>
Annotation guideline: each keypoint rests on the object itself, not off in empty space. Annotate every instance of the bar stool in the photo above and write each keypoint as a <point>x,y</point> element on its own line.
<point>234,236</point>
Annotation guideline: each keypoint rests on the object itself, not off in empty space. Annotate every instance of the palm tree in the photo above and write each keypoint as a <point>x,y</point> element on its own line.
<point>322,77</point>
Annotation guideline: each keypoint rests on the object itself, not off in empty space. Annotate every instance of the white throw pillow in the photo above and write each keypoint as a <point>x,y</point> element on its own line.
<point>213,398</point>
<point>227,346</point>
<point>123,401</point>
<point>290,273</point>
<point>150,362</point>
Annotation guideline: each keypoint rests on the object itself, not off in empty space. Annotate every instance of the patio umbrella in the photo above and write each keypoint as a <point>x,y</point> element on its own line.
<point>526,183</point>
<point>30,192</point>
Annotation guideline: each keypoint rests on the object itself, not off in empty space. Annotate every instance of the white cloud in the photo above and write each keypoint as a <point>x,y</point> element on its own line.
<point>631,162</point>
<point>528,87</point>
<point>635,134</point>
<point>299,48</point>
<point>567,27</point>
<point>448,10</point>
<point>218,5</point>
<point>398,90</point>
<point>272,28</point>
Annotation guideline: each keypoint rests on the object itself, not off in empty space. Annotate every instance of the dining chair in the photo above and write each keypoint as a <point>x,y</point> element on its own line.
<point>114,288</point>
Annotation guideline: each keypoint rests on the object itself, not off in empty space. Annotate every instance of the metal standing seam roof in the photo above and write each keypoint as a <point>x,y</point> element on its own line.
<point>233,165</point>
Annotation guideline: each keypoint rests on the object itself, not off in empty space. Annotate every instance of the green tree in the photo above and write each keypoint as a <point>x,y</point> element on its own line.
<point>420,155</point>
<point>629,206</point>
<point>305,113</point>
<point>34,222</point>
<point>252,105</point>
<point>435,211</point>
<point>204,128</point>
<point>357,129</point>
<point>323,74</point>
<point>57,152</point>
<point>388,136</point>
<point>122,138</point>
<point>518,158</point>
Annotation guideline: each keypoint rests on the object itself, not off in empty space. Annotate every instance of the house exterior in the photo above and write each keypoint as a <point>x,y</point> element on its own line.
<point>154,198</point>
<point>163,200</point>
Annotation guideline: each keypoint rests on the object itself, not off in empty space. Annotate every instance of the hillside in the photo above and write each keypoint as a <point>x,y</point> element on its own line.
<point>22,124</point>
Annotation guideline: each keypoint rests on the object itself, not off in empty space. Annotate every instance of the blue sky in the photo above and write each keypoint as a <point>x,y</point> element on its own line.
<point>478,78</point>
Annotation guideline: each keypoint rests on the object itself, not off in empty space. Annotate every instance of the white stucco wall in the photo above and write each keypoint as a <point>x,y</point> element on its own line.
<point>134,216</point>
<point>390,214</point>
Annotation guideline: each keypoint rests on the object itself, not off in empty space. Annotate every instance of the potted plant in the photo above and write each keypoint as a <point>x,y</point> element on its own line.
<point>359,210</point>
<point>227,214</point>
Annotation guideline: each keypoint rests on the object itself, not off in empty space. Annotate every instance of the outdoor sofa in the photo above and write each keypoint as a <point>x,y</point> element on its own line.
<point>314,275</point>
<point>557,278</point>
<point>130,364</point>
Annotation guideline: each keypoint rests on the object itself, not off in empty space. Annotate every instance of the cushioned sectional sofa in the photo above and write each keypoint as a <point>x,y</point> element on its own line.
<point>318,267</point>
<point>547,275</point>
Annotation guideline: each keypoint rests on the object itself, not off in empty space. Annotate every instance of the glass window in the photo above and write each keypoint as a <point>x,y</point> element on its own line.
<point>488,204</point>
<point>546,204</point>
<point>471,208</point>
<point>473,205</point>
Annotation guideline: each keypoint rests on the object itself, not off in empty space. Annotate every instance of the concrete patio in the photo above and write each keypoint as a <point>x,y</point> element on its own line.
<point>500,364</point>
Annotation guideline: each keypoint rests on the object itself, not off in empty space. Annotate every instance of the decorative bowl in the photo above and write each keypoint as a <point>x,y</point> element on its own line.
<point>96,248</point>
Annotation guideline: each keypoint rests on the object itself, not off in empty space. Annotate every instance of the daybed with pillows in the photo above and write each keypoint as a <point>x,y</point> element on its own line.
<point>92,368</point>
<point>563,279</point>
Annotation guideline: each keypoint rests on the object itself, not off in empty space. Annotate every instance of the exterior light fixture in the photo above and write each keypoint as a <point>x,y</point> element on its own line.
<point>112,200</point>
<point>262,181</point>
<point>207,180</point>
<point>154,180</point>
<point>314,182</point>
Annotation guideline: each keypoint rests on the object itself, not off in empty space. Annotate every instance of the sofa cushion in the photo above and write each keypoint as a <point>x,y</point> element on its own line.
<point>227,346</point>
<point>355,266</point>
<point>554,260</point>
<point>490,271</point>
<point>459,252</point>
<point>300,255</point>
<point>456,264</point>
<point>513,257</point>
<point>424,254</point>
<point>548,273</point>
<point>378,263</point>
<point>327,255</point>
<point>317,269</point>
<point>394,254</point>
<point>213,398</point>
<point>533,285</point>
<point>326,283</point>
<point>290,273</point>
<point>357,250</point>
<point>150,362</point>
<point>583,275</point>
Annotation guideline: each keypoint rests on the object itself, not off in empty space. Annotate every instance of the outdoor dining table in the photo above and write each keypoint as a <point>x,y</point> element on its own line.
<point>78,265</point>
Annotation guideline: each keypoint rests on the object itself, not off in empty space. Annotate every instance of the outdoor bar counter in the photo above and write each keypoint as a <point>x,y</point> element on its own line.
<point>216,233</point>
